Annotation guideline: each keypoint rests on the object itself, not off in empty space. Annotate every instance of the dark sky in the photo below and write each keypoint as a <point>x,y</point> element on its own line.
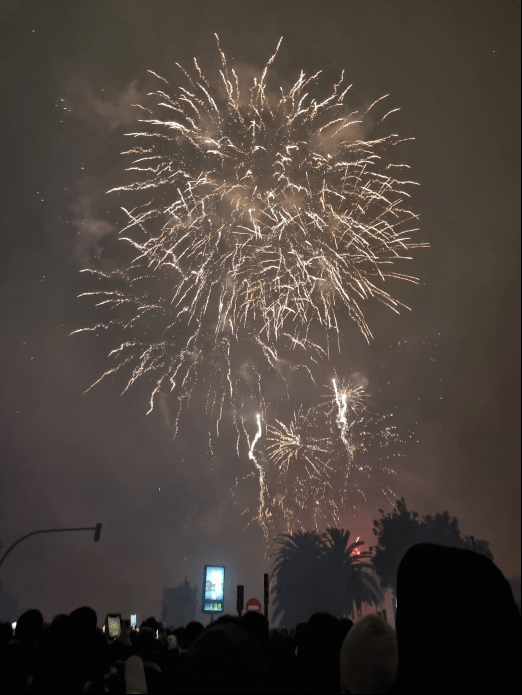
<point>449,369</point>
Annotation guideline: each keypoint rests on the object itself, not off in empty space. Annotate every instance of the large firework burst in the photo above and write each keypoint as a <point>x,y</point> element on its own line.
<point>260,216</point>
<point>255,221</point>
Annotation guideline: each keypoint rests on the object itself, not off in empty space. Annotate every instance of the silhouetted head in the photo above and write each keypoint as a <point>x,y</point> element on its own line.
<point>84,619</point>
<point>60,626</point>
<point>193,630</point>
<point>55,670</point>
<point>146,644</point>
<point>274,635</point>
<point>323,630</point>
<point>152,623</point>
<point>369,657</point>
<point>29,626</point>
<point>458,627</point>
<point>226,618</point>
<point>318,654</point>
<point>225,659</point>
<point>256,624</point>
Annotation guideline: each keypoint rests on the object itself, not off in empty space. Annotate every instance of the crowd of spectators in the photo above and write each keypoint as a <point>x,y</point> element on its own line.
<point>457,631</point>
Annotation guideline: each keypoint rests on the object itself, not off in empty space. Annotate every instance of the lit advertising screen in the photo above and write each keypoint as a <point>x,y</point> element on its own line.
<point>213,589</point>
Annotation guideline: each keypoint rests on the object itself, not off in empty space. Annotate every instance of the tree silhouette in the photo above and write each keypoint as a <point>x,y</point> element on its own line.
<point>320,572</point>
<point>351,574</point>
<point>299,588</point>
<point>397,531</point>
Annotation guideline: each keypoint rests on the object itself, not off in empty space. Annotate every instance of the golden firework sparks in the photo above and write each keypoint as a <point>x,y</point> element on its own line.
<point>256,220</point>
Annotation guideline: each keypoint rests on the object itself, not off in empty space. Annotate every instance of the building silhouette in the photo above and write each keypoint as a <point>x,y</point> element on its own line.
<point>178,605</point>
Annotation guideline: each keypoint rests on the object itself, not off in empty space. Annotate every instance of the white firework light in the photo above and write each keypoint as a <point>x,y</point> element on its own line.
<point>260,225</point>
<point>322,459</point>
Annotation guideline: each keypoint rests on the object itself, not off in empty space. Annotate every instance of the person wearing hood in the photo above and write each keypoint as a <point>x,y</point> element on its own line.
<point>457,623</point>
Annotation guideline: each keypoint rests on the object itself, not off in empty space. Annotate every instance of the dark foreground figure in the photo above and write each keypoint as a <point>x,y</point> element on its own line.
<point>458,631</point>
<point>458,626</point>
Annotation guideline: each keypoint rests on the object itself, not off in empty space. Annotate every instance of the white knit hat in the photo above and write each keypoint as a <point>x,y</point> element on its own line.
<point>369,657</point>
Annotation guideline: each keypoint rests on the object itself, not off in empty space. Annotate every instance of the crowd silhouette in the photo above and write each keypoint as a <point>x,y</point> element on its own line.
<point>457,631</point>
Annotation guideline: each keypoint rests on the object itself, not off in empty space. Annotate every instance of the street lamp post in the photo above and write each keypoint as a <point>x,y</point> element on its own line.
<point>96,529</point>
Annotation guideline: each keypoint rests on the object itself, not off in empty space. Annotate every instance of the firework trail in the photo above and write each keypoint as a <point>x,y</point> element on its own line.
<point>256,221</point>
<point>263,515</point>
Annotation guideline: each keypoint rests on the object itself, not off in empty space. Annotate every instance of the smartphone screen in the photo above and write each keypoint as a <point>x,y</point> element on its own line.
<point>133,621</point>
<point>114,625</point>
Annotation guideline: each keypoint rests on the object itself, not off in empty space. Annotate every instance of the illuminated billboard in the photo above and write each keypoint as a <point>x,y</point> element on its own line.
<point>213,600</point>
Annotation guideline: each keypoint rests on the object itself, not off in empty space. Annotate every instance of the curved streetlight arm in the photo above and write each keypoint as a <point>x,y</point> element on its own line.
<point>96,529</point>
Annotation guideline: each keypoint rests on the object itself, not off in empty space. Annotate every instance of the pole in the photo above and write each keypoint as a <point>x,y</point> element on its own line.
<point>96,529</point>
<point>265,594</point>
<point>240,599</point>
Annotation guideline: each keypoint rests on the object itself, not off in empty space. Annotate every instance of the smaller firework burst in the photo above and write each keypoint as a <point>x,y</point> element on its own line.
<point>296,443</point>
<point>325,458</point>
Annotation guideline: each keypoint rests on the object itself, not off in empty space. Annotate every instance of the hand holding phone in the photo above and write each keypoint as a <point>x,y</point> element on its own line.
<point>113,625</point>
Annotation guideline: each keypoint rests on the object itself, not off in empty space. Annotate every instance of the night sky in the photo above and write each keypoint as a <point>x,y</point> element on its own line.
<point>449,370</point>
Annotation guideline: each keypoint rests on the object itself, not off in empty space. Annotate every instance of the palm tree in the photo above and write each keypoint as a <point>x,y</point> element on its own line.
<point>321,572</point>
<point>350,574</point>
<point>300,585</point>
